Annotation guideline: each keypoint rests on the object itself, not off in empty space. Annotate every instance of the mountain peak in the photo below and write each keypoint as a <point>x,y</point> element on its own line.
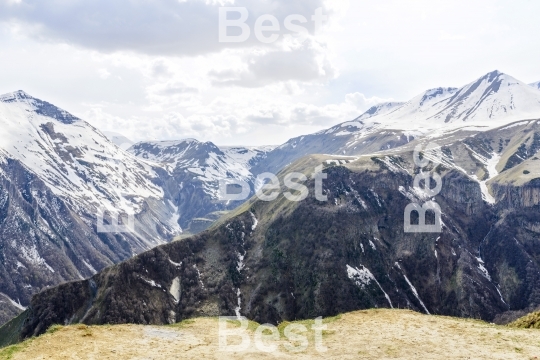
<point>16,96</point>
<point>40,107</point>
<point>497,75</point>
<point>379,109</point>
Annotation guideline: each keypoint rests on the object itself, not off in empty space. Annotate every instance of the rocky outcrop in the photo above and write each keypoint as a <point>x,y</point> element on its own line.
<point>515,197</point>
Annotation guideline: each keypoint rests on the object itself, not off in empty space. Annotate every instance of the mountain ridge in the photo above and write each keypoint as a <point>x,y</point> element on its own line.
<point>490,101</point>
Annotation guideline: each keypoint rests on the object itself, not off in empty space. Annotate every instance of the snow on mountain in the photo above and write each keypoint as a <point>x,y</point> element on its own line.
<point>57,173</point>
<point>493,100</point>
<point>379,109</point>
<point>536,85</point>
<point>191,175</point>
<point>79,164</point>
<point>170,153</point>
<point>73,158</point>
<point>204,160</point>
<point>247,156</point>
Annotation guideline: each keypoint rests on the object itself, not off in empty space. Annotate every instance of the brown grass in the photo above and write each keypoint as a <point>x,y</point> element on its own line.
<point>372,334</point>
<point>530,321</point>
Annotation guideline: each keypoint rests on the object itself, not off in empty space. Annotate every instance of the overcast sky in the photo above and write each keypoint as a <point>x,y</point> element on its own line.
<point>156,70</point>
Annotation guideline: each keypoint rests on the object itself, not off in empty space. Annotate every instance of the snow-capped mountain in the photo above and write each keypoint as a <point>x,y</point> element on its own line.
<point>481,264</point>
<point>204,160</point>
<point>491,101</point>
<point>536,85</point>
<point>197,167</point>
<point>57,173</point>
<point>74,159</point>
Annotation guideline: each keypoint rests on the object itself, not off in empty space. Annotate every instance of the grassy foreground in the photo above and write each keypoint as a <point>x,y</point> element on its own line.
<point>531,321</point>
<point>371,334</point>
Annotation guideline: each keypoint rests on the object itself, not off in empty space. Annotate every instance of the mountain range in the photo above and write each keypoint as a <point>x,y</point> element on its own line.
<point>57,171</point>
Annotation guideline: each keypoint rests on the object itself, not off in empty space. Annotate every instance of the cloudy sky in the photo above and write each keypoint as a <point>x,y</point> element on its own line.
<point>156,69</point>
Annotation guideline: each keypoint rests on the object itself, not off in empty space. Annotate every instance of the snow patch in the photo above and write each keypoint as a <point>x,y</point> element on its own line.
<point>14,303</point>
<point>255,221</point>
<point>483,269</point>
<point>239,302</point>
<point>362,277</point>
<point>151,282</point>
<point>90,267</point>
<point>32,255</point>
<point>413,289</point>
<point>175,263</point>
<point>175,289</point>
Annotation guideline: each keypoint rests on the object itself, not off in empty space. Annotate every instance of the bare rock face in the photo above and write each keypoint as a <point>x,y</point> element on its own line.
<point>518,197</point>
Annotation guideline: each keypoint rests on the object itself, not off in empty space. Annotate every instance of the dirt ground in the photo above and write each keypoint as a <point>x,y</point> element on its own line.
<point>372,334</point>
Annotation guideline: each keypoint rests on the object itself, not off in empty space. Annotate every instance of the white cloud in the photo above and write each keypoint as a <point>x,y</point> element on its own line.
<point>226,119</point>
<point>306,61</point>
<point>104,73</point>
<point>163,27</point>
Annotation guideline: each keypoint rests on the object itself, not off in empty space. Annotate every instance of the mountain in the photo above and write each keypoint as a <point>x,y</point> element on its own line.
<point>284,260</point>
<point>536,85</point>
<point>491,101</point>
<point>57,172</point>
<point>192,171</point>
